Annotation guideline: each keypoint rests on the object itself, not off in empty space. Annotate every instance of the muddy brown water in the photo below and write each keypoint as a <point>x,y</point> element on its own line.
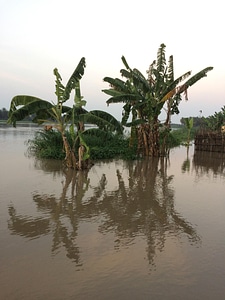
<point>150,229</point>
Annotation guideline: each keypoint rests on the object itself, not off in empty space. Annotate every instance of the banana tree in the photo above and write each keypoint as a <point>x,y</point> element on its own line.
<point>61,116</point>
<point>189,125</point>
<point>145,98</point>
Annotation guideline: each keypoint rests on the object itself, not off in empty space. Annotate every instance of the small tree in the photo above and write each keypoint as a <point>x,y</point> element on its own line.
<point>189,125</point>
<point>144,98</point>
<point>62,116</point>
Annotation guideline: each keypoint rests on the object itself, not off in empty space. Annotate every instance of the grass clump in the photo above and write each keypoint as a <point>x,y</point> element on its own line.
<point>116,146</point>
<point>46,144</point>
<point>49,145</point>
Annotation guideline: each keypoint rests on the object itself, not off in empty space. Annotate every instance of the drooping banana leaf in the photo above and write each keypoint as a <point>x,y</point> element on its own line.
<point>98,133</point>
<point>124,98</point>
<point>172,88</point>
<point>113,92</point>
<point>29,105</point>
<point>135,123</point>
<point>77,111</point>
<point>103,120</point>
<point>194,79</point>
<point>126,74</point>
<point>116,84</point>
<point>140,81</point>
<point>21,100</point>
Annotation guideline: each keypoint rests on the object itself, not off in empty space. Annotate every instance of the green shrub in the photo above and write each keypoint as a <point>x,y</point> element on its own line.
<point>48,144</point>
<point>179,136</point>
<point>111,147</point>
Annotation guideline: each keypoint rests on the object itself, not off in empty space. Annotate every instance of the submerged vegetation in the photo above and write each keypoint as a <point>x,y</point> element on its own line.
<point>145,98</point>
<point>60,117</point>
<point>65,136</point>
<point>49,144</point>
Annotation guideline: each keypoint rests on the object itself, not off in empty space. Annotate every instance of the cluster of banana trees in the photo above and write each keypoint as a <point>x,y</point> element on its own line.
<point>144,99</point>
<point>62,117</point>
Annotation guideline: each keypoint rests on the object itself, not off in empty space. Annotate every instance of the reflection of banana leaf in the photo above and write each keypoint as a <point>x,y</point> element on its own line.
<point>185,227</point>
<point>142,204</point>
<point>62,236</point>
<point>27,226</point>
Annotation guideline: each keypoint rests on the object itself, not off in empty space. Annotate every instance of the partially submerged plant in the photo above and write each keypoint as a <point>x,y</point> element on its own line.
<point>61,116</point>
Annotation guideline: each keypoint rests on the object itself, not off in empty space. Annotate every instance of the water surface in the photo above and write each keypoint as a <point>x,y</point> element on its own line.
<point>150,229</point>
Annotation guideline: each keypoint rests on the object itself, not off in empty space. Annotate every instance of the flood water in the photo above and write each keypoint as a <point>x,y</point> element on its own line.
<point>151,229</point>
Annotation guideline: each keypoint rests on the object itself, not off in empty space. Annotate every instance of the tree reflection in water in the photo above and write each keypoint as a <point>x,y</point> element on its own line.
<point>142,204</point>
<point>187,163</point>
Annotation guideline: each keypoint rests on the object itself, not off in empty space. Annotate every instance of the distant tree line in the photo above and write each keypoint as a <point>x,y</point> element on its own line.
<point>4,114</point>
<point>213,122</point>
<point>216,121</point>
<point>197,121</point>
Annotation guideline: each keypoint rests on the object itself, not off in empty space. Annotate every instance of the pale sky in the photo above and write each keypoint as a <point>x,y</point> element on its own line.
<point>38,35</point>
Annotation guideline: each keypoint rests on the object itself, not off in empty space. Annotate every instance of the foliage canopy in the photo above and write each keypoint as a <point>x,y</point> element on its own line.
<point>145,97</point>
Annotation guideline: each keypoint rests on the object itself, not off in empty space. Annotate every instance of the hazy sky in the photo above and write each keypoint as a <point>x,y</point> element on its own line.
<point>38,35</point>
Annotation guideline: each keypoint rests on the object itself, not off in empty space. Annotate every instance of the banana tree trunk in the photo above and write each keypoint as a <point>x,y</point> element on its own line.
<point>148,139</point>
<point>154,148</point>
<point>143,145</point>
<point>70,159</point>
